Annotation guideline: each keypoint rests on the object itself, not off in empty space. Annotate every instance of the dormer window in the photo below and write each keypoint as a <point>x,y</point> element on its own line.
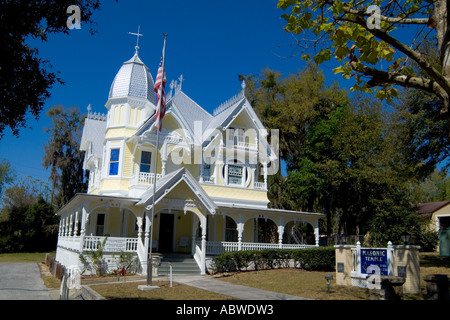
<point>146,159</point>
<point>235,135</point>
<point>235,175</point>
<point>114,162</point>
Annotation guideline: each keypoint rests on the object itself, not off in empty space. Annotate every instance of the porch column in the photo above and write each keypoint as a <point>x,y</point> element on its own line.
<point>203,227</point>
<point>66,226</point>
<point>240,230</point>
<point>60,228</point>
<point>84,220</point>
<point>280,236</point>
<point>316,231</point>
<point>75,227</point>
<point>71,225</point>
<point>147,232</point>
<point>139,224</point>
<point>280,232</point>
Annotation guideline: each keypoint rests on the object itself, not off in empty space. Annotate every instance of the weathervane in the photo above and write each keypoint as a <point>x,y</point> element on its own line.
<point>137,36</point>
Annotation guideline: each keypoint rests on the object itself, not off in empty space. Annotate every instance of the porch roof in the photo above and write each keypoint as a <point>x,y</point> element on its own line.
<point>247,209</point>
<point>79,198</point>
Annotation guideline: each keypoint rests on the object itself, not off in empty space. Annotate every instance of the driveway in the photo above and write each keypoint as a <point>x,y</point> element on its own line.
<point>22,281</point>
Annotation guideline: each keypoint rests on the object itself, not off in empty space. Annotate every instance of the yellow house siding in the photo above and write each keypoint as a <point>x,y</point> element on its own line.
<point>127,159</point>
<point>235,193</point>
<point>121,132</point>
<point>115,184</point>
<point>132,115</point>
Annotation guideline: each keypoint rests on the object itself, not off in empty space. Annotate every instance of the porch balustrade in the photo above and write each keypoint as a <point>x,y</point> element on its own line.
<point>256,185</point>
<point>145,178</point>
<point>112,244</point>
<point>217,247</point>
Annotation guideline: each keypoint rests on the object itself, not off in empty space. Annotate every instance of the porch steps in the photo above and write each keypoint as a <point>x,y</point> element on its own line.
<point>182,264</point>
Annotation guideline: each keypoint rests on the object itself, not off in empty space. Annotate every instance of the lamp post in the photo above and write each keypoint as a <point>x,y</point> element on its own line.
<point>405,238</point>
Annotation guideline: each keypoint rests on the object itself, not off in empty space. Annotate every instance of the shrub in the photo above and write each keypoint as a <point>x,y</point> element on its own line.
<point>428,241</point>
<point>312,259</point>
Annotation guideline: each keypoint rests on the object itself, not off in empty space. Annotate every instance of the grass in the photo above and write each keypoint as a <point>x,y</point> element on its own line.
<point>24,257</point>
<point>298,282</point>
<point>178,291</point>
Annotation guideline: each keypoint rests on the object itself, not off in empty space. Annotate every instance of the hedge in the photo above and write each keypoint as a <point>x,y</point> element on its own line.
<point>311,259</point>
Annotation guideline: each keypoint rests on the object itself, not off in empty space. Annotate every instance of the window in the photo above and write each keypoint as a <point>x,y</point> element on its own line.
<point>235,135</point>
<point>231,233</point>
<point>100,229</point>
<point>146,159</point>
<point>235,174</point>
<point>114,162</point>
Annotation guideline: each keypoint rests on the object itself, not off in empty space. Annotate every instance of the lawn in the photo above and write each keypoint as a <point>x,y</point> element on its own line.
<point>307,284</point>
<point>178,291</point>
<point>24,257</point>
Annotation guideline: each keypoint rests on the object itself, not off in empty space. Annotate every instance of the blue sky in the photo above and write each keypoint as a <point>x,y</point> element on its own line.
<point>209,42</point>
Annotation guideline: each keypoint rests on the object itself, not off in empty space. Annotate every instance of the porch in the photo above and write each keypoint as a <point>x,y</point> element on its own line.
<point>200,250</point>
<point>119,244</point>
<point>178,226</point>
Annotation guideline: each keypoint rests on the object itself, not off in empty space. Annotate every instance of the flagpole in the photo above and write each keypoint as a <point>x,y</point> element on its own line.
<point>158,108</point>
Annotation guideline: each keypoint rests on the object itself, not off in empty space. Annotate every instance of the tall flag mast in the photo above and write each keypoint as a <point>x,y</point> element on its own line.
<point>160,112</point>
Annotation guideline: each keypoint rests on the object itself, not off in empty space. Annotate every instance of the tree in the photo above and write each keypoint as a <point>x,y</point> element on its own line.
<point>26,79</point>
<point>27,219</point>
<point>63,155</point>
<point>364,36</point>
<point>348,156</point>
<point>6,173</point>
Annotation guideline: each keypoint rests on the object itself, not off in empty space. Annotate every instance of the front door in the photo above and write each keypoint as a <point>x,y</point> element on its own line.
<point>166,233</point>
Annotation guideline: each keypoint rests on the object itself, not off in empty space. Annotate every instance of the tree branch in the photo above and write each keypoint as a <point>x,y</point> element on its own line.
<point>408,51</point>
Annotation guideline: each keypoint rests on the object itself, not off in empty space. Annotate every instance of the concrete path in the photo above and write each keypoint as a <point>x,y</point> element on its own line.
<point>233,290</point>
<point>22,281</point>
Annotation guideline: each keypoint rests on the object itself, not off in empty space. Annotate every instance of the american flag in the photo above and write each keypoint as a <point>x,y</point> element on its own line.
<point>161,95</point>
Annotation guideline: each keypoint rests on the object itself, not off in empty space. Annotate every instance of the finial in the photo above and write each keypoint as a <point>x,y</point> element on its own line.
<point>243,85</point>
<point>137,36</point>
<point>173,85</point>
<point>89,108</point>
<point>181,78</point>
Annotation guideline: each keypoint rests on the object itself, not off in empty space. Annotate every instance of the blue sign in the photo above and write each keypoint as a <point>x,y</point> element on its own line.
<point>376,257</point>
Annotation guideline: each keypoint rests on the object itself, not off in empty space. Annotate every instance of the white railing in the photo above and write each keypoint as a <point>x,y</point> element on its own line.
<point>260,186</point>
<point>217,247</point>
<point>72,243</point>
<point>146,178</point>
<point>112,244</point>
<point>207,179</point>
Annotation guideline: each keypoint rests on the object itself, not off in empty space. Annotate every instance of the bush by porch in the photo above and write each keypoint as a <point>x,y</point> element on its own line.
<point>311,259</point>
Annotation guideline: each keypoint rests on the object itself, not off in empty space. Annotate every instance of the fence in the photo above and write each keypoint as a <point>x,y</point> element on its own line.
<point>54,266</point>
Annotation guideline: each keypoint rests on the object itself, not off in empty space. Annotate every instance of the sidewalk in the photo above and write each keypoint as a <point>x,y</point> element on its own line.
<point>210,284</point>
<point>233,290</point>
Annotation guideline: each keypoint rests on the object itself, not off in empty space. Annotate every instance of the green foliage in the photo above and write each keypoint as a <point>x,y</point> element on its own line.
<point>93,260</point>
<point>428,241</point>
<point>313,259</point>
<point>26,79</point>
<point>128,261</point>
<point>63,155</point>
<point>368,45</point>
<point>6,174</point>
<point>28,222</point>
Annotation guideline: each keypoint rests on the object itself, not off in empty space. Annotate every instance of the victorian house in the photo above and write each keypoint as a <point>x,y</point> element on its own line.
<point>203,184</point>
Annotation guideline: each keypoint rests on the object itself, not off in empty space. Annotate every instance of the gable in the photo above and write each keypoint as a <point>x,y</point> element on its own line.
<point>171,181</point>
